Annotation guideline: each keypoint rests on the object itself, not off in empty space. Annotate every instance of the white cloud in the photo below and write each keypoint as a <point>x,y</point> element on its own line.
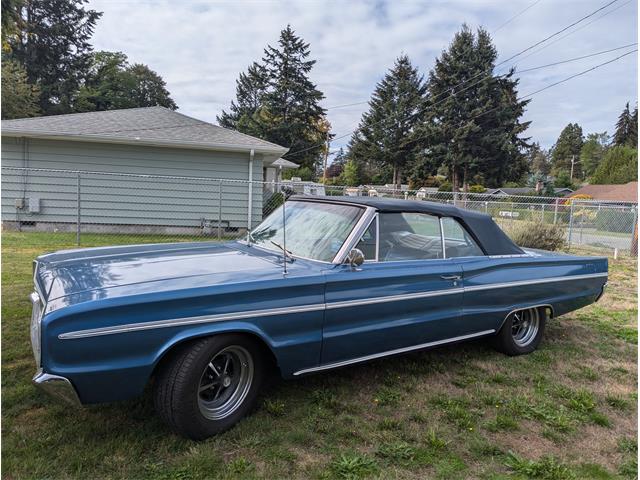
<point>200,47</point>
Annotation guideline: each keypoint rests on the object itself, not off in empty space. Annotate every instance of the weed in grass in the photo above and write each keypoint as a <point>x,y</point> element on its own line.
<point>584,373</point>
<point>547,468</point>
<point>390,424</point>
<point>457,411</point>
<point>617,402</point>
<point>275,407</point>
<point>501,379</point>
<point>629,468</point>
<point>599,419</point>
<point>554,417</point>
<point>325,398</point>
<point>397,452</point>
<point>353,466</point>
<point>450,467</point>
<point>628,445</point>
<point>593,471</point>
<point>418,417</point>
<point>435,441</point>
<point>482,449</point>
<point>502,422</point>
<point>387,396</point>
<point>239,466</point>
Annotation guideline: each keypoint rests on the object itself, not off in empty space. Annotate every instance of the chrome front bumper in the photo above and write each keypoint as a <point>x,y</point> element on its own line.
<point>56,386</point>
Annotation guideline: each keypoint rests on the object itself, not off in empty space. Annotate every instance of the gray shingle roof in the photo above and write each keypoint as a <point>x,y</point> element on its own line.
<point>150,125</point>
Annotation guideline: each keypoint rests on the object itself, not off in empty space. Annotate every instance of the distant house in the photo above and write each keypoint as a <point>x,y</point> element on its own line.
<point>627,192</point>
<point>516,191</point>
<point>122,146</point>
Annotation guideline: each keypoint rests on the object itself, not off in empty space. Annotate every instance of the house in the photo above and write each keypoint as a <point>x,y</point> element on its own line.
<point>626,193</point>
<point>150,171</point>
<point>524,191</point>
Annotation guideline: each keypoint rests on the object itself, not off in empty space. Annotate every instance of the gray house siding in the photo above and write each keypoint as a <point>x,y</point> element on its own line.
<point>127,200</point>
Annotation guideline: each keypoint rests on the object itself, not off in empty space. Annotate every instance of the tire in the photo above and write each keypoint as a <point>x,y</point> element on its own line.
<point>207,386</point>
<point>521,332</point>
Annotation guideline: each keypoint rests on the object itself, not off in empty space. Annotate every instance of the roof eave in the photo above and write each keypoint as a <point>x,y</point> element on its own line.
<point>271,153</point>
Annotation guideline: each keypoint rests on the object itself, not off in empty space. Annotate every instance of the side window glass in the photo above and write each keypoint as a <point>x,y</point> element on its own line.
<point>458,243</point>
<point>368,242</point>
<point>409,236</point>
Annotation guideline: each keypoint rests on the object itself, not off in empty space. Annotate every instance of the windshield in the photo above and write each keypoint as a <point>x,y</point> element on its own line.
<point>314,230</point>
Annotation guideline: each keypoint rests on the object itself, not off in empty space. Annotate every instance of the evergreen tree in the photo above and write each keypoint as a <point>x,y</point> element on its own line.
<point>250,90</point>
<point>566,149</point>
<point>111,83</point>
<point>626,128</point>
<point>53,45</point>
<point>292,100</point>
<point>19,98</point>
<point>337,166</point>
<point>277,101</point>
<point>385,136</point>
<point>592,152</point>
<point>619,165</point>
<point>538,160</point>
<point>472,116</point>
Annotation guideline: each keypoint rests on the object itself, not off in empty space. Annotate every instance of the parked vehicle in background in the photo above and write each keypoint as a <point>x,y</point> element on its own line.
<point>322,283</point>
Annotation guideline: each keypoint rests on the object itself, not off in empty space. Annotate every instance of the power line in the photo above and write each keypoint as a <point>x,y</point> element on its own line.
<point>544,47</point>
<point>488,73</point>
<point>503,75</point>
<point>582,57</point>
<point>549,37</point>
<point>551,85</point>
<point>516,16</point>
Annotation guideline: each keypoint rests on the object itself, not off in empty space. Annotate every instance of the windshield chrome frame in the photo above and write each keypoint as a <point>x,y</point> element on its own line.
<point>365,217</point>
<point>355,235</point>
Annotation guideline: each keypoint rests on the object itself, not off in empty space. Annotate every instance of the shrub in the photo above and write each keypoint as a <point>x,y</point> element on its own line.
<point>477,189</point>
<point>445,187</point>
<point>538,235</point>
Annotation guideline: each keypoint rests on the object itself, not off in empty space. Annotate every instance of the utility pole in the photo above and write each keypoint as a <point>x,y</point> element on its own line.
<point>326,158</point>
<point>573,159</point>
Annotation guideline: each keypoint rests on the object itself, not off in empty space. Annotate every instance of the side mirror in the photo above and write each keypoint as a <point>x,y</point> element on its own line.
<point>355,258</point>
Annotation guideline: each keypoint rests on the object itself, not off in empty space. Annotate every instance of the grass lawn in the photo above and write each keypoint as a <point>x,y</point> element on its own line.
<point>567,411</point>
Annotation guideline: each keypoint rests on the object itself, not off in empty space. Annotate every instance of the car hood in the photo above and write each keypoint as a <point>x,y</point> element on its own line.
<point>72,272</point>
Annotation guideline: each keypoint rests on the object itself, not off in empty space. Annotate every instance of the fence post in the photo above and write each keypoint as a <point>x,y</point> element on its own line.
<point>570,223</point>
<point>78,205</point>
<point>486,207</point>
<point>555,212</point>
<point>542,214</point>
<point>220,210</point>
<point>633,248</point>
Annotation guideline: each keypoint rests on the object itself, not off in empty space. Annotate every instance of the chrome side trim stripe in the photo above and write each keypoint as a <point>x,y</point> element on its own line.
<point>343,363</point>
<point>132,327</point>
<point>492,286</point>
<point>393,298</point>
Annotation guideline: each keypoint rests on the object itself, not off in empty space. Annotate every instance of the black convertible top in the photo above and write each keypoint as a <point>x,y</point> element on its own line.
<point>481,226</point>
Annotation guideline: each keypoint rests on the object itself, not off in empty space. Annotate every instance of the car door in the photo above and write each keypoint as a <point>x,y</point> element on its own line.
<point>406,295</point>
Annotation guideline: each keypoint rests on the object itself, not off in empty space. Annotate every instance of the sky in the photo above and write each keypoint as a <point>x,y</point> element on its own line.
<point>200,46</point>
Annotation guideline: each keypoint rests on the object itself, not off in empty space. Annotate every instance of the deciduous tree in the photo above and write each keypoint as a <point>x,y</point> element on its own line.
<point>19,98</point>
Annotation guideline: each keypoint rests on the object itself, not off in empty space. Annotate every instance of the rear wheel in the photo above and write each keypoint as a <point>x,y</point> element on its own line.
<point>522,331</point>
<point>207,386</point>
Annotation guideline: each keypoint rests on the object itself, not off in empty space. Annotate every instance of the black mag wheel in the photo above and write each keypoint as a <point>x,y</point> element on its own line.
<point>521,332</point>
<point>205,387</point>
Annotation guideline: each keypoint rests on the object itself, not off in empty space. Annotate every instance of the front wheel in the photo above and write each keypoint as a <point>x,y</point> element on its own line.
<point>521,332</point>
<point>207,386</point>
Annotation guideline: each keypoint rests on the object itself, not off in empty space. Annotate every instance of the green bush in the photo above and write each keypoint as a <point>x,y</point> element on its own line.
<point>537,235</point>
<point>615,220</point>
<point>477,189</point>
<point>445,187</point>
<point>619,165</point>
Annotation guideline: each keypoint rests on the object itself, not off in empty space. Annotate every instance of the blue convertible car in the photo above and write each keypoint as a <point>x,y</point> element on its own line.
<point>323,282</point>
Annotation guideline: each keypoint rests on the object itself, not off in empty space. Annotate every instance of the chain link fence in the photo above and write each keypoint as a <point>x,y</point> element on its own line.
<point>61,208</point>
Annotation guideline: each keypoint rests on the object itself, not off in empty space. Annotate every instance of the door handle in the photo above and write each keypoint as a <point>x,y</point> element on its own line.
<point>451,277</point>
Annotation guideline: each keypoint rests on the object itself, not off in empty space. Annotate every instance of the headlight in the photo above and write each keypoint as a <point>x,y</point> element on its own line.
<point>36,319</point>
